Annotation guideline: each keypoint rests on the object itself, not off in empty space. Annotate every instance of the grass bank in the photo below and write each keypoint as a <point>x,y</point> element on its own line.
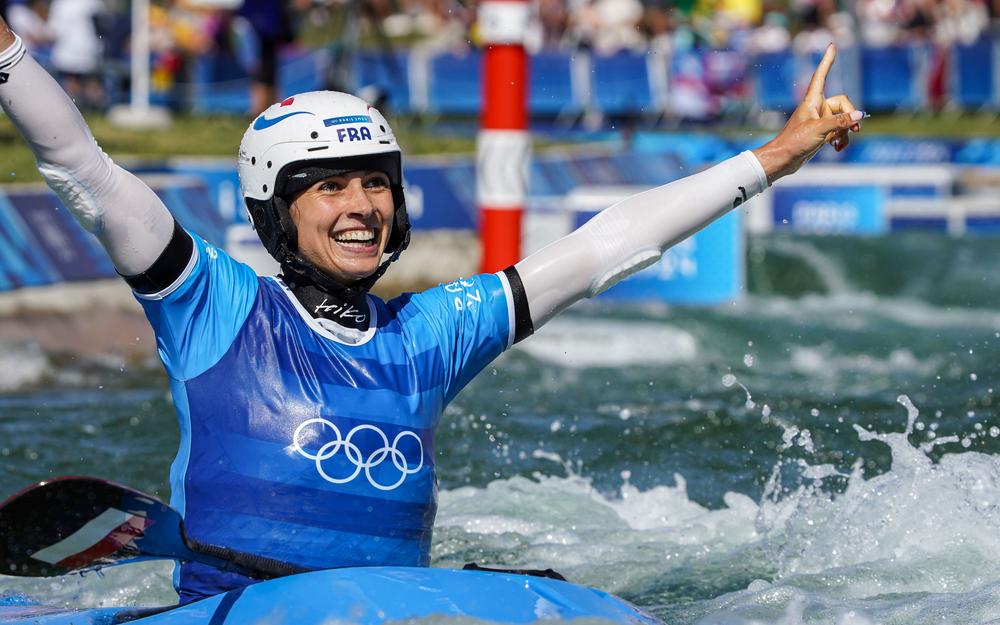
<point>199,136</point>
<point>219,136</point>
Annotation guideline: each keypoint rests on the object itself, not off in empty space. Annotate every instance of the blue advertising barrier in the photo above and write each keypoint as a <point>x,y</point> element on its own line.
<point>24,260</point>
<point>219,178</point>
<point>841,209</point>
<point>983,225</point>
<point>436,196</point>
<point>550,85</point>
<point>894,151</point>
<point>774,81</point>
<point>441,197</point>
<point>387,72</point>
<point>979,151</point>
<point>973,74</point>
<point>623,83</point>
<point>440,193</point>
<point>705,269</point>
<point>694,149</point>
<point>41,243</point>
<point>456,83</point>
<point>222,84</point>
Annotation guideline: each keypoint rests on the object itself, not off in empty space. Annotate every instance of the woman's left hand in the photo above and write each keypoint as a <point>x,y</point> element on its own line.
<point>817,120</point>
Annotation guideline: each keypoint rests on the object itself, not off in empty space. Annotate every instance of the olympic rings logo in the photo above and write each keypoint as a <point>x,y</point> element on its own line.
<point>354,455</point>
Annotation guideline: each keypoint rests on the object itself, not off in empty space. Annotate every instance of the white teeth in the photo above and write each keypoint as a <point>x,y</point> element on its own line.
<point>363,237</point>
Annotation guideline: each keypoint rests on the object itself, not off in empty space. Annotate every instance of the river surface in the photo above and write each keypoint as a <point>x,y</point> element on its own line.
<point>825,450</point>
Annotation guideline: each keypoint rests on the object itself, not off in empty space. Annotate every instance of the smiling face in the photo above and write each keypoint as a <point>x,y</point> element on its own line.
<point>343,223</point>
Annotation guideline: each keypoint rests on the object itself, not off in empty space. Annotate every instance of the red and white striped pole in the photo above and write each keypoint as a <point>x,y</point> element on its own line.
<point>503,147</point>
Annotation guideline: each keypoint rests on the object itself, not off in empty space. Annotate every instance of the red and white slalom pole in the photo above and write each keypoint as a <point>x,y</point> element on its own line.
<point>503,147</point>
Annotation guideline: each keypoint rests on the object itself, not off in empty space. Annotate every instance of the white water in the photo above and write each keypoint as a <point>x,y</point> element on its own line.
<point>581,343</point>
<point>824,364</point>
<point>917,544</point>
<point>22,364</point>
<point>851,310</point>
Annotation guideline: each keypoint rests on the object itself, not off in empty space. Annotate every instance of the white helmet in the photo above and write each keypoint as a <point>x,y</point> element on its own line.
<point>303,139</point>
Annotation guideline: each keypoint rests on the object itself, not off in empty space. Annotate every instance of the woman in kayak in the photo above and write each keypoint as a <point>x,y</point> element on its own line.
<point>307,406</point>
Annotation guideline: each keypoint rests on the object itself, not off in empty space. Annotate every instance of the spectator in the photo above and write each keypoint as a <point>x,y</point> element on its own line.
<point>584,22</point>
<point>174,36</point>
<point>813,36</point>
<point>745,12</point>
<point>843,27</point>
<point>193,43</point>
<point>772,36</point>
<point>548,31</point>
<point>961,21</point>
<point>77,50</point>
<point>878,22</point>
<point>918,17</point>
<point>659,26</point>
<point>271,22</point>
<point>607,26</point>
<point>619,26</point>
<point>28,17</point>
<point>445,24</point>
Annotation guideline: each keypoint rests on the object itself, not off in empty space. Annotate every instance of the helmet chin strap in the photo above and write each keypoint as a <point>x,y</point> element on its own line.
<point>301,270</point>
<point>274,223</point>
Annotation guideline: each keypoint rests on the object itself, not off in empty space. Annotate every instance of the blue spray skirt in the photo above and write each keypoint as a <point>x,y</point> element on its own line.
<point>366,596</point>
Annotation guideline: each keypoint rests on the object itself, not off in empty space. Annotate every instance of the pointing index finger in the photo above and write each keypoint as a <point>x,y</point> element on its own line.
<point>818,82</point>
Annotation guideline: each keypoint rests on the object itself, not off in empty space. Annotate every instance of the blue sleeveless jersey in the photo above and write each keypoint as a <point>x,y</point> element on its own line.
<point>301,440</point>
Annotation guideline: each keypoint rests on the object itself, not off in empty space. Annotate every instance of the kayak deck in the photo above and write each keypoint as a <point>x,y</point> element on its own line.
<point>366,596</point>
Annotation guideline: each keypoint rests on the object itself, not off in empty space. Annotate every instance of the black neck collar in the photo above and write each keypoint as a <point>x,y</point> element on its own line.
<point>348,308</point>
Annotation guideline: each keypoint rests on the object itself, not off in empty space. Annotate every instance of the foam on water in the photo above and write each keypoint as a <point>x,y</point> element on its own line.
<point>22,365</point>
<point>822,362</point>
<point>917,544</point>
<point>142,583</point>
<point>26,365</point>
<point>852,310</point>
<point>584,343</point>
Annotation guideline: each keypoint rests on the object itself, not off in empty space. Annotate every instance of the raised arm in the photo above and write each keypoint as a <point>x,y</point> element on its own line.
<point>128,218</point>
<point>634,233</point>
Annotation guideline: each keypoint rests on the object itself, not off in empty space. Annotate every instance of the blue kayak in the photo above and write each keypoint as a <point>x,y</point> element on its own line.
<point>365,596</point>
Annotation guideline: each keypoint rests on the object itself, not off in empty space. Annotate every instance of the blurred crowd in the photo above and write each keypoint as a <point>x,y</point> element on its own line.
<point>742,25</point>
<point>85,41</point>
<point>755,26</point>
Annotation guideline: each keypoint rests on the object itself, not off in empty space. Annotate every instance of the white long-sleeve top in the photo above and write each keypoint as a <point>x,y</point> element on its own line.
<point>129,219</point>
